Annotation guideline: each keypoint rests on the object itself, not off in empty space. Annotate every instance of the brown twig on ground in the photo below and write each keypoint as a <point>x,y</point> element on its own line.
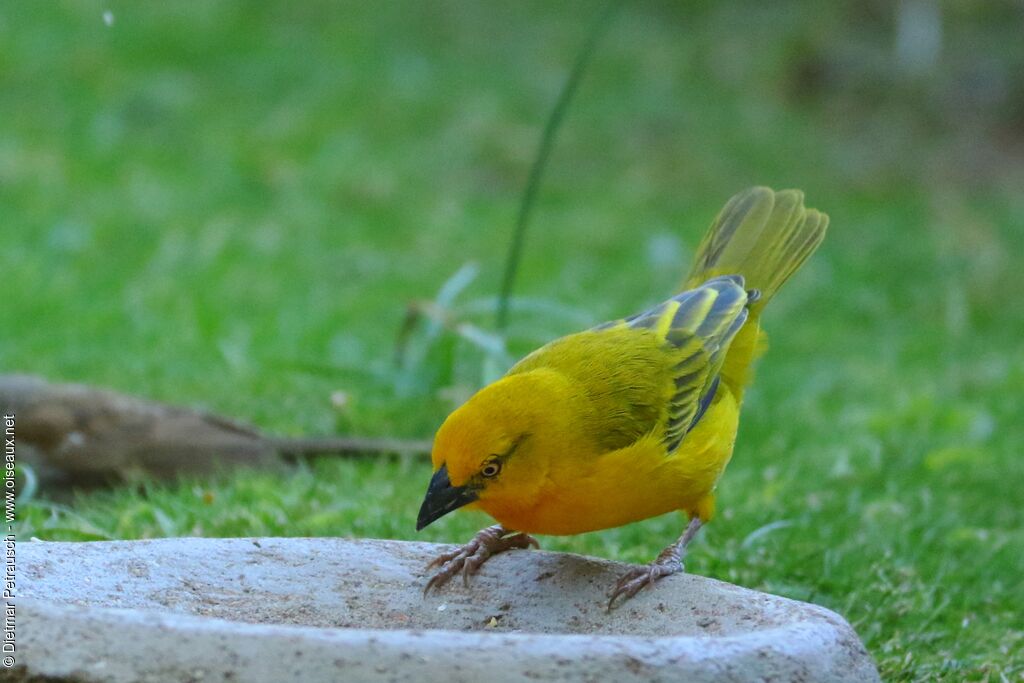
<point>298,447</point>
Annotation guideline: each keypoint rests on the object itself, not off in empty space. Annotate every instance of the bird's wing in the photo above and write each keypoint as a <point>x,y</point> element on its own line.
<point>659,367</point>
<point>700,324</point>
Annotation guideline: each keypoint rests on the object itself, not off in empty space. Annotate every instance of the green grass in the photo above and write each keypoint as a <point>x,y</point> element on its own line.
<point>231,205</point>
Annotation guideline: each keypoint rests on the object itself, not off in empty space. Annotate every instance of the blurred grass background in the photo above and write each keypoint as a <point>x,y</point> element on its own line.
<point>231,204</point>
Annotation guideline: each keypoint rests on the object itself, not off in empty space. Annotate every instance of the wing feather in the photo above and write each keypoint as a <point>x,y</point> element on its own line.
<point>656,370</point>
<point>700,324</point>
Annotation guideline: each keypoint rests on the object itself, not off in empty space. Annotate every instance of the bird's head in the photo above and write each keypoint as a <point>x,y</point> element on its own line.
<point>493,452</point>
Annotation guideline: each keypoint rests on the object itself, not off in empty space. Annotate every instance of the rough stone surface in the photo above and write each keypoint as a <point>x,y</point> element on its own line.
<point>345,610</point>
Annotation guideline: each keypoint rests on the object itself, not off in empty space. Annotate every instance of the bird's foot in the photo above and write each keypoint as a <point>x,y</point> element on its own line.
<point>668,562</point>
<point>469,558</point>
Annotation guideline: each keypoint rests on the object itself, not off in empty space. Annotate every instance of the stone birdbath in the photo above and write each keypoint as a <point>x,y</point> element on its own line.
<point>294,609</point>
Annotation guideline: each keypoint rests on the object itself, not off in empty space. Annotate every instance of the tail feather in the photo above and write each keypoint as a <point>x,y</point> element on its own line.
<point>762,235</point>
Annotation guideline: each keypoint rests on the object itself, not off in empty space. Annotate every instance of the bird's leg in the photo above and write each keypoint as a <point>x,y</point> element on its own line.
<point>470,557</point>
<point>670,561</point>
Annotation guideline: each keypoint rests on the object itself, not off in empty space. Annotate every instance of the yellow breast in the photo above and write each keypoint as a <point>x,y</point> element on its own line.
<point>586,492</point>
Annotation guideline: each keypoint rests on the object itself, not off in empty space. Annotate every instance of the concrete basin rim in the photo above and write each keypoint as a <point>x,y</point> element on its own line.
<point>569,644</point>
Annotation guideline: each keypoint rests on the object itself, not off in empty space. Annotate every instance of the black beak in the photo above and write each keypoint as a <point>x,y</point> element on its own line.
<point>442,498</point>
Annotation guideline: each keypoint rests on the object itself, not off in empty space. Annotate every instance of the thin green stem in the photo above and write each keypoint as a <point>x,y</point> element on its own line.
<point>543,152</point>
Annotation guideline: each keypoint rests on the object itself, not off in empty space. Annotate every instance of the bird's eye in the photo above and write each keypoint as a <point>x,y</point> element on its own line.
<point>491,468</point>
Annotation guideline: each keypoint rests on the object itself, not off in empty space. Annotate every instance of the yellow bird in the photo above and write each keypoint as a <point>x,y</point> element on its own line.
<point>631,419</point>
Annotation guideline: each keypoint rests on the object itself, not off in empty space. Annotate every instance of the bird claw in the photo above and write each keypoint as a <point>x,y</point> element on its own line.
<point>469,558</point>
<point>639,577</point>
<point>447,557</point>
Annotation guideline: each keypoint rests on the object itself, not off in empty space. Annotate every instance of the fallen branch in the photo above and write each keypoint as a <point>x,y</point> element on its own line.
<point>298,447</point>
